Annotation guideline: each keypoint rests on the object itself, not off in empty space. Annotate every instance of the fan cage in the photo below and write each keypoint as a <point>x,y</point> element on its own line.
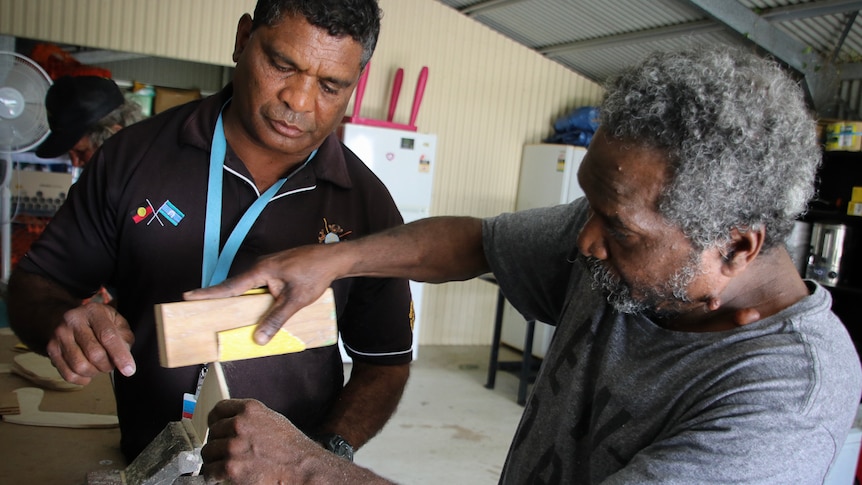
<point>30,128</point>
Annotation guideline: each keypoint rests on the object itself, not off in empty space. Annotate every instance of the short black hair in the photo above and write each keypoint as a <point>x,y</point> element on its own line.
<point>359,19</point>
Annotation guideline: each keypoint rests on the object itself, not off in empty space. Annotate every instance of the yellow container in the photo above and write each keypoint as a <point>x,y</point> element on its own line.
<point>844,136</point>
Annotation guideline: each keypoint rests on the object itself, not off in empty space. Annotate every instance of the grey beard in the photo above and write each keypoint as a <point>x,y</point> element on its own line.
<point>619,293</point>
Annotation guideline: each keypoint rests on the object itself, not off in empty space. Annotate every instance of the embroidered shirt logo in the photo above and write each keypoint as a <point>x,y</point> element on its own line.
<point>167,210</point>
<point>331,233</point>
<point>171,213</point>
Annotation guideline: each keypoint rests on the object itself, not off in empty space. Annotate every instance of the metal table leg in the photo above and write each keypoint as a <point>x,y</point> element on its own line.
<point>527,364</point>
<point>495,343</point>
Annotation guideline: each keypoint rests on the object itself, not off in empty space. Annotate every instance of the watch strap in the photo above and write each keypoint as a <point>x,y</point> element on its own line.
<point>336,444</point>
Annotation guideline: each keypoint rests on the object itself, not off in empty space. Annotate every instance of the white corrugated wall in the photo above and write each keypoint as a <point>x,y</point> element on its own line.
<point>486,96</point>
<point>198,30</point>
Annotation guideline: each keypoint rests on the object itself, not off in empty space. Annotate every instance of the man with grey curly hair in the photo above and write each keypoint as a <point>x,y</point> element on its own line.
<point>687,347</point>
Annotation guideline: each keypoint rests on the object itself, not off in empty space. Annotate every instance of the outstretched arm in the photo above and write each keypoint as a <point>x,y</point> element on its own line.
<point>433,250</point>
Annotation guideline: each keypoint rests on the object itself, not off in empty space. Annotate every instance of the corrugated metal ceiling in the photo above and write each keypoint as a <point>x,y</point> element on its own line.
<point>819,39</point>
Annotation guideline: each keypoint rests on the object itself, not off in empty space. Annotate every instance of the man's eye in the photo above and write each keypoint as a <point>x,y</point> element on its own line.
<point>282,68</point>
<point>618,234</point>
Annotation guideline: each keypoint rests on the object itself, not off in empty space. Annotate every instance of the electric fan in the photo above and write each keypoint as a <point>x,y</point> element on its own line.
<point>23,125</point>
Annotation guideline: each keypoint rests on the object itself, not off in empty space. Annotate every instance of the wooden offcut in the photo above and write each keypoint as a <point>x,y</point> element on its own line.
<point>9,403</point>
<point>29,399</point>
<point>213,390</point>
<point>39,370</point>
<point>196,332</point>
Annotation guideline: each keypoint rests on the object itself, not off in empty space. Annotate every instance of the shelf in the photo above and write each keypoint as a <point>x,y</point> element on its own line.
<point>836,177</point>
<point>838,174</point>
<point>831,216</point>
<point>842,155</point>
<point>847,290</point>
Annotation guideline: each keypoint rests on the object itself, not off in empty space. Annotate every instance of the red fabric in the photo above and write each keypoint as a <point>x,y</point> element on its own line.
<point>859,468</point>
<point>25,230</point>
<point>58,63</point>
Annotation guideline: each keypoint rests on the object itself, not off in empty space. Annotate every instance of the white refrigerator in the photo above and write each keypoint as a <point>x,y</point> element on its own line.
<point>404,160</point>
<point>549,176</point>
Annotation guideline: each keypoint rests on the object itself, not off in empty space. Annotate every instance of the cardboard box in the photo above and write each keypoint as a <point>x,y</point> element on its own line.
<point>170,97</point>
<point>844,136</point>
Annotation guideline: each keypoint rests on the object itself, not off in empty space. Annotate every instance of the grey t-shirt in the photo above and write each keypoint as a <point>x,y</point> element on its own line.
<point>621,400</point>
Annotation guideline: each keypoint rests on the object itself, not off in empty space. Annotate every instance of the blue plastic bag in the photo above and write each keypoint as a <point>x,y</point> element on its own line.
<point>577,127</point>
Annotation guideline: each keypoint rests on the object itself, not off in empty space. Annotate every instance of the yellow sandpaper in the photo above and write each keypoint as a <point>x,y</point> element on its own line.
<point>238,344</point>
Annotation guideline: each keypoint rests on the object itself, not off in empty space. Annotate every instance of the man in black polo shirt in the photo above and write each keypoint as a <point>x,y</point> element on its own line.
<point>160,210</point>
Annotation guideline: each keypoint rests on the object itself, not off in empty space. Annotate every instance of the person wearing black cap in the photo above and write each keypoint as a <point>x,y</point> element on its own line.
<point>83,112</point>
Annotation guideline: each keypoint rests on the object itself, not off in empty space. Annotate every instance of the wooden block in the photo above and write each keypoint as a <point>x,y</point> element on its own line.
<point>9,403</point>
<point>190,332</point>
<point>213,390</point>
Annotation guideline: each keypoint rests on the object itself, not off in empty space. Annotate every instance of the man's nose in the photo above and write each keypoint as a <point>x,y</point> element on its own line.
<point>299,93</point>
<point>591,241</point>
<point>76,160</point>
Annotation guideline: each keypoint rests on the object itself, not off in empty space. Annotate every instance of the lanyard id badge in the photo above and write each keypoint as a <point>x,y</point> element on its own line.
<point>216,264</point>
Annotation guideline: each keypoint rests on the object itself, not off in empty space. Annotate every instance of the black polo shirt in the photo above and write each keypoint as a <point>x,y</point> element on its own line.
<point>106,234</point>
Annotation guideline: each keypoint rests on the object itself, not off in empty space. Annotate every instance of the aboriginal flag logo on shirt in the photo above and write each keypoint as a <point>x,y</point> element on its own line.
<point>165,212</point>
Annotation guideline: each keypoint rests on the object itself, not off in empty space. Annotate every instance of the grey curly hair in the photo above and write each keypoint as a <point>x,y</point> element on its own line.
<point>124,115</point>
<point>740,140</point>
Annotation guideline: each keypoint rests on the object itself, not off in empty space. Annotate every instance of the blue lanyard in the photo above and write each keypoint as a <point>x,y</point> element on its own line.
<point>215,265</point>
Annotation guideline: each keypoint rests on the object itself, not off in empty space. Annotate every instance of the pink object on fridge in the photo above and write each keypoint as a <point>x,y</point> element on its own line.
<point>417,101</point>
<point>396,91</point>
<point>417,98</point>
<point>360,90</point>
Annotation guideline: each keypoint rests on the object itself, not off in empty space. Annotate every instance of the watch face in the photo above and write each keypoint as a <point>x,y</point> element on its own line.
<point>340,447</point>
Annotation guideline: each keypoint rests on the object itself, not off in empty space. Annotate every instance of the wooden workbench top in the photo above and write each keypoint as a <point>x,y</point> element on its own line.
<point>61,456</point>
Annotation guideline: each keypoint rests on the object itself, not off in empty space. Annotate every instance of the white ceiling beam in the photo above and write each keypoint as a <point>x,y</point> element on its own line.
<point>486,6</point>
<point>820,76</point>
<point>671,31</point>
<point>778,14</point>
<point>95,57</point>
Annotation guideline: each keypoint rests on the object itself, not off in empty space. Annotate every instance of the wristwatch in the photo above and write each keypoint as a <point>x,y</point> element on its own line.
<point>336,444</point>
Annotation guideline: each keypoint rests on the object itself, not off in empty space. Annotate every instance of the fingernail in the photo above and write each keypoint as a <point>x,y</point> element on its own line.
<point>261,337</point>
<point>128,370</point>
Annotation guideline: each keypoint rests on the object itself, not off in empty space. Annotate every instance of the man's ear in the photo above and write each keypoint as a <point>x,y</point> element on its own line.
<point>243,33</point>
<point>745,244</point>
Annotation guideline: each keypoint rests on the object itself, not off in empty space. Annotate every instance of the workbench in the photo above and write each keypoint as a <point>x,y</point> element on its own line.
<point>61,456</point>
